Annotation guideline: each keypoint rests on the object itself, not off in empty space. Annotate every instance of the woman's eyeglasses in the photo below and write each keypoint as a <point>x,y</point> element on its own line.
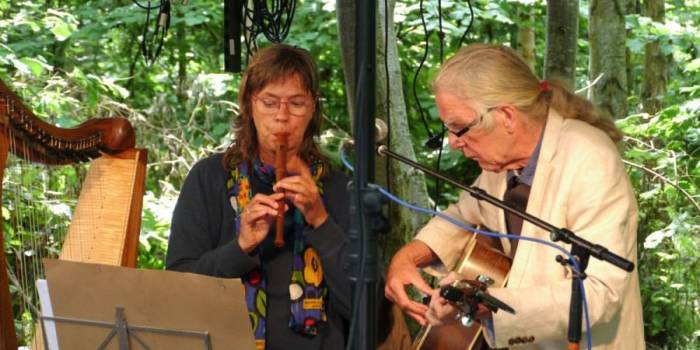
<point>297,106</point>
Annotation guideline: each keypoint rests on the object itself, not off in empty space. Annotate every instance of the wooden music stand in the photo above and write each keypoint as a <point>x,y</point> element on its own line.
<point>154,309</point>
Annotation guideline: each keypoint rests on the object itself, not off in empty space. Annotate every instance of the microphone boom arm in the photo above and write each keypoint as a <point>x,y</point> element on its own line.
<point>556,234</point>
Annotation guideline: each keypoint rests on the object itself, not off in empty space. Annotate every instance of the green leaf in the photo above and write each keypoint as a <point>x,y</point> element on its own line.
<point>195,19</point>
<point>35,66</point>
<point>62,31</point>
<point>635,45</point>
<point>220,130</point>
<point>693,65</point>
<point>60,28</point>
<point>662,299</point>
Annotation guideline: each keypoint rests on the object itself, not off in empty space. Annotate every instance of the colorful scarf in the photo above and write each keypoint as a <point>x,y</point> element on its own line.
<point>307,289</point>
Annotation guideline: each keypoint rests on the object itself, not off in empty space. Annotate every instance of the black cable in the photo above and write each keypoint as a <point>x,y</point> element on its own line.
<point>388,97</point>
<point>442,134</point>
<point>471,21</point>
<point>160,31</point>
<point>148,7</point>
<point>250,30</point>
<point>441,41</point>
<point>441,33</point>
<point>272,18</point>
<point>426,35</point>
<point>432,138</point>
<point>274,23</point>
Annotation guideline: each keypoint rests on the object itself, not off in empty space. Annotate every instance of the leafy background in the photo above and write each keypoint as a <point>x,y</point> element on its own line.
<point>75,60</point>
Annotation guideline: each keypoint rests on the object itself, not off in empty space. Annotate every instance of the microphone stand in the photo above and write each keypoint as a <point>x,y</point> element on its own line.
<point>365,205</point>
<point>581,249</point>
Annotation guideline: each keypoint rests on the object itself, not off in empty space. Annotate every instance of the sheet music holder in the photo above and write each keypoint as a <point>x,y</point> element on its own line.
<point>103,307</point>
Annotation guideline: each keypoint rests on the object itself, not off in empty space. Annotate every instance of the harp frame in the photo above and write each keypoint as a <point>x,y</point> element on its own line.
<point>47,144</point>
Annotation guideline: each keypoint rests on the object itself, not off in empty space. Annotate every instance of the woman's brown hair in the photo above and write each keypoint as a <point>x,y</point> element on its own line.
<point>273,64</point>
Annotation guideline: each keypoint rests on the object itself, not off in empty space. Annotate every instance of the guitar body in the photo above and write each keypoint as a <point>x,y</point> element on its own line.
<point>447,337</point>
<point>480,258</point>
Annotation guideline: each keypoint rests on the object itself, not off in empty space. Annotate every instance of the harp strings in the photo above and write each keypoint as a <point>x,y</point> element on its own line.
<point>20,267</point>
<point>39,200</point>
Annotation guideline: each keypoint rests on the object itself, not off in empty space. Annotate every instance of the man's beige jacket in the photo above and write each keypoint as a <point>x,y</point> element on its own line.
<point>580,184</point>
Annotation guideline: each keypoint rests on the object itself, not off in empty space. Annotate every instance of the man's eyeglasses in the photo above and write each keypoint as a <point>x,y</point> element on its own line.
<point>298,106</point>
<point>464,130</point>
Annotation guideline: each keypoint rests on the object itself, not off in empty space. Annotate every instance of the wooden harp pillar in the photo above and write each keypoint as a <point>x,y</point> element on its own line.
<point>106,221</point>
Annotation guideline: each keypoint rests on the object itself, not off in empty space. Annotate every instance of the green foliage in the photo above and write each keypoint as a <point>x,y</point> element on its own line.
<point>493,22</point>
<point>666,175</point>
<point>155,227</point>
<point>36,211</point>
<point>663,152</point>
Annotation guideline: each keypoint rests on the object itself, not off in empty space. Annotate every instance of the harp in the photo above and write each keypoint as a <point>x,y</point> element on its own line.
<point>105,223</point>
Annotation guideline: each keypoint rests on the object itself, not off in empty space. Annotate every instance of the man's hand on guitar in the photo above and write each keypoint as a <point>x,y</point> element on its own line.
<point>402,272</point>
<point>441,311</point>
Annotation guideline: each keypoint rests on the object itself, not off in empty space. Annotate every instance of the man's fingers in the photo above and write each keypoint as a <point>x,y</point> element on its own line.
<point>421,285</point>
<point>398,296</point>
<point>394,291</point>
<point>451,277</point>
<point>415,307</point>
<point>440,312</point>
<point>418,317</point>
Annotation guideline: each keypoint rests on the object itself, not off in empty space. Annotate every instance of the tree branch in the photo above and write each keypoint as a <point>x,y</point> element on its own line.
<point>665,179</point>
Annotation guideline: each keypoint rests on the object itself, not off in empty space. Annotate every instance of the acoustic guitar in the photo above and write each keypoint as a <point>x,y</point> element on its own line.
<point>481,257</point>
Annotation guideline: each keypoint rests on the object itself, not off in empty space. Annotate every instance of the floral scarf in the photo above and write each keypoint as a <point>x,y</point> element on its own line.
<point>308,291</point>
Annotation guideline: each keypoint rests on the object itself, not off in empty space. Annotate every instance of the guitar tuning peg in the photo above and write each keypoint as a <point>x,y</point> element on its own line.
<point>466,320</point>
<point>467,314</point>
<point>488,281</point>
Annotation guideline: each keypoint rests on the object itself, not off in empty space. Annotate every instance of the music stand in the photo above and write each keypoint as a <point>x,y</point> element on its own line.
<point>154,309</point>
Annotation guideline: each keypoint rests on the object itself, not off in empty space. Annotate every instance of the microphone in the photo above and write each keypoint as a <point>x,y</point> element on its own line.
<point>381,131</point>
<point>435,141</point>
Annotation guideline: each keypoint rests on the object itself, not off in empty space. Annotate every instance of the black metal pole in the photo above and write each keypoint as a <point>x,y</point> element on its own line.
<point>576,301</point>
<point>363,239</point>
<point>232,35</point>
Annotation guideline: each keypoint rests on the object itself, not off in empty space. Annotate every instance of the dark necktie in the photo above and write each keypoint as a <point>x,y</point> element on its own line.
<point>516,195</point>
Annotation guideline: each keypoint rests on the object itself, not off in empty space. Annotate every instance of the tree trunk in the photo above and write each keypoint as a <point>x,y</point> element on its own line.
<point>406,183</point>
<point>655,62</point>
<point>606,36</point>
<point>562,36</point>
<point>345,13</point>
<point>526,36</point>
<point>633,7</point>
